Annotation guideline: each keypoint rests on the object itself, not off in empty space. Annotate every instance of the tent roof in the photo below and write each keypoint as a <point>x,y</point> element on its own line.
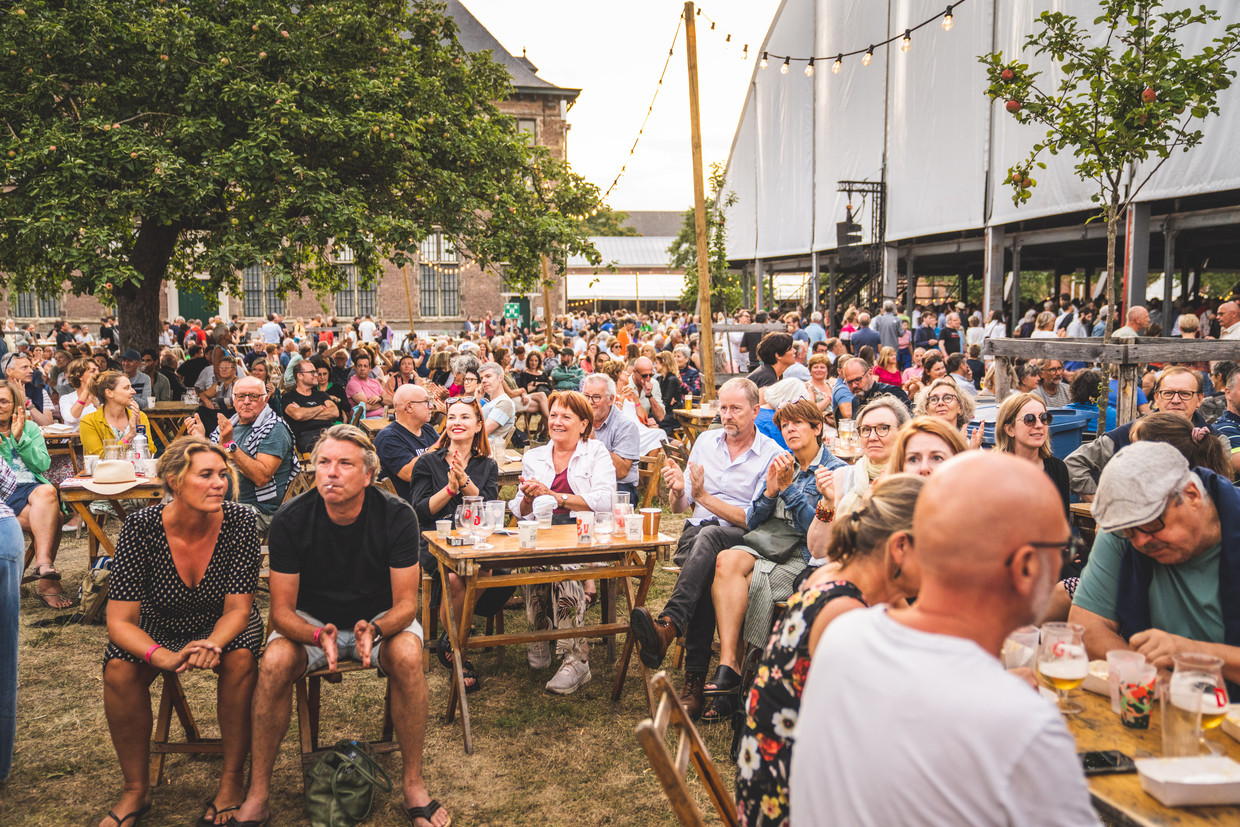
<point>629,251</point>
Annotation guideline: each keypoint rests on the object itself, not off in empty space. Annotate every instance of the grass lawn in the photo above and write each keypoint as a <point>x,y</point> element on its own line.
<point>538,758</point>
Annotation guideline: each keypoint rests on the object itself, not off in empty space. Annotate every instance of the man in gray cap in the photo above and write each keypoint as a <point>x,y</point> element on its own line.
<point>1164,574</point>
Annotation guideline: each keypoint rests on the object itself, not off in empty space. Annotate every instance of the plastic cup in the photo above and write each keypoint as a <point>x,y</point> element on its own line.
<point>89,462</point>
<point>1136,694</point>
<point>443,529</point>
<point>527,533</point>
<point>633,527</point>
<point>604,523</point>
<point>1116,660</point>
<point>585,526</point>
<point>1180,727</point>
<point>1021,648</point>
<point>650,520</point>
<point>544,519</point>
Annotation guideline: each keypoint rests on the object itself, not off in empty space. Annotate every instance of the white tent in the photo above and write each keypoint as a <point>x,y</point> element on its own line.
<point>918,120</point>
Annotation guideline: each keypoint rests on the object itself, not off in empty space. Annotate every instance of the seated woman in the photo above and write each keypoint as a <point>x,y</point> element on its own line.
<point>80,402</point>
<point>34,500</point>
<point>117,416</point>
<point>943,398</point>
<point>458,466</point>
<point>671,390</point>
<point>1023,429</point>
<point>536,387</point>
<point>923,445</point>
<point>499,415</point>
<point>887,369</point>
<point>748,583</point>
<point>871,562</point>
<point>260,370</point>
<point>364,389</point>
<point>878,425</point>
<point>775,397</point>
<point>182,597</point>
<point>577,473</point>
<point>406,373</point>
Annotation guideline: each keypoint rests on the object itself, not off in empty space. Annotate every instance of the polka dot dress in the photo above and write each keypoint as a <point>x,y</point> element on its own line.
<point>171,612</point>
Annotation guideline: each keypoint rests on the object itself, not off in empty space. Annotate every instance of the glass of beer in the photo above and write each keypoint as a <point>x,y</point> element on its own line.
<point>1062,661</point>
<point>1197,687</point>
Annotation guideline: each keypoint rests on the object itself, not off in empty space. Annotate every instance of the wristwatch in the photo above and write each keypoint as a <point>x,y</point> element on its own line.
<point>232,447</point>
<point>563,499</point>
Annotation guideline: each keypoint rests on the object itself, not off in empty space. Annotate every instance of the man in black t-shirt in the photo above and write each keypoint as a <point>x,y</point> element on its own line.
<point>193,366</point>
<point>777,355</point>
<point>949,336</point>
<point>751,340</point>
<point>307,409</point>
<point>344,584</point>
<point>402,442</point>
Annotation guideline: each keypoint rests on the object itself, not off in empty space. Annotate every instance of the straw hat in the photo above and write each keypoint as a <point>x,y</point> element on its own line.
<point>112,476</point>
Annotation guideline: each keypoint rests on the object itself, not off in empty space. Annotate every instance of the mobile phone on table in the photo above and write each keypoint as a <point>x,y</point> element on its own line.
<point>1106,762</point>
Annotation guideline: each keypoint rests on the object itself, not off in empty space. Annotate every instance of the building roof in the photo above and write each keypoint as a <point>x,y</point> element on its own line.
<point>475,37</point>
<point>655,222</point>
<point>629,251</point>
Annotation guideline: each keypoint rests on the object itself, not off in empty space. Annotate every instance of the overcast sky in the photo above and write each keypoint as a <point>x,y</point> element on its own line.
<point>614,52</point>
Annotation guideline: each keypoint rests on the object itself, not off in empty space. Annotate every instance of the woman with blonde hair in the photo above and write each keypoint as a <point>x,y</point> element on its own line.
<point>116,417</point>
<point>182,597</point>
<point>1023,429</point>
<point>1044,326</point>
<point>887,368</point>
<point>878,424</point>
<point>925,443</point>
<point>943,398</point>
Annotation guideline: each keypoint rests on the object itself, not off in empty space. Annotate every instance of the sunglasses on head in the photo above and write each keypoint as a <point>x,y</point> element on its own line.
<point>468,400</point>
<point>1045,417</point>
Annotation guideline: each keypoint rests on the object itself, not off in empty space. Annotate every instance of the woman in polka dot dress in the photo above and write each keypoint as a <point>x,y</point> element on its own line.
<point>182,597</point>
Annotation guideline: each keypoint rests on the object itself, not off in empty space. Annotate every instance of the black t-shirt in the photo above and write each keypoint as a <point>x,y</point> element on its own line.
<point>396,445</point>
<point>533,382</point>
<point>344,569</point>
<point>763,377</point>
<point>308,430</point>
<point>336,392</point>
<point>950,338</point>
<point>430,474</point>
<point>750,341</point>
<point>876,390</point>
<point>190,369</point>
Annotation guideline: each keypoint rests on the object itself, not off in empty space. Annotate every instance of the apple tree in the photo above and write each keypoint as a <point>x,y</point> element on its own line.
<point>188,139</point>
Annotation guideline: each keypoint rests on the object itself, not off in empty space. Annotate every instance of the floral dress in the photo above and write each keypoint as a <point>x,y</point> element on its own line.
<point>764,763</point>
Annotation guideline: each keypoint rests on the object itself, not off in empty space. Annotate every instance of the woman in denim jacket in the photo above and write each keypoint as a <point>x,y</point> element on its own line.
<point>747,585</point>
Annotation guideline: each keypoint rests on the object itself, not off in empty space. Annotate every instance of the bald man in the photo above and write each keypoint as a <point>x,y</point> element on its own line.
<point>910,710</point>
<point>1137,321</point>
<point>260,443</point>
<point>1229,320</point>
<point>402,442</point>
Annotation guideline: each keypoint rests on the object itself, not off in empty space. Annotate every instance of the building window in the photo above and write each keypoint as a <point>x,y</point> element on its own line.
<point>529,128</point>
<point>260,293</point>
<point>438,271</point>
<point>29,305</point>
<point>353,300</point>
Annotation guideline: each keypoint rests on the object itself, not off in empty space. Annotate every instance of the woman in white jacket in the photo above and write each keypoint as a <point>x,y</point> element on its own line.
<point>578,473</point>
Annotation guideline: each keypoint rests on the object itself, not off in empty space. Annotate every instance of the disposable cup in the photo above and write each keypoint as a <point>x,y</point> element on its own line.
<point>650,520</point>
<point>1116,659</point>
<point>443,528</point>
<point>585,526</point>
<point>90,461</point>
<point>1136,694</point>
<point>527,533</point>
<point>633,527</point>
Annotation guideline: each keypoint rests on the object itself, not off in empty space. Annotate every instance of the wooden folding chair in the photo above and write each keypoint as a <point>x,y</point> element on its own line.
<point>172,699</point>
<point>673,772</point>
<point>677,451</point>
<point>648,476</point>
<point>308,692</point>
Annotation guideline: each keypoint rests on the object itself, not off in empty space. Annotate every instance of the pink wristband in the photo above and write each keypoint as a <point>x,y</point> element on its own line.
<point>151,651</point>
<point>317,632</point>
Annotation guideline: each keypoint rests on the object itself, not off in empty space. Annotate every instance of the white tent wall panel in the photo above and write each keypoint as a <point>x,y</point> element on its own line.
<point>848,110</point>
<point>785,138</point>
<point>938,122</point>
<point>741,181</point>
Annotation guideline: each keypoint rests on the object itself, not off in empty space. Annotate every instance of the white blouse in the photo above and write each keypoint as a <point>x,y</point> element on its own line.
<point>591,474</point>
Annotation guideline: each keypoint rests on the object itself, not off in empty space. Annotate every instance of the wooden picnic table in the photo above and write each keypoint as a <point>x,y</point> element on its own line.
<point>79,499</point>
<point>1119,798</point>
<point>1083,518</point>
<point>614,559</point>
<point>374,424</point>
<point>168,419</point>
<point>63,442</point>
<point>695,421</point>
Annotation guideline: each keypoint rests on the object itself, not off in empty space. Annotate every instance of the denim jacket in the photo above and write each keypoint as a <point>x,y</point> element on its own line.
<point>795,503</point>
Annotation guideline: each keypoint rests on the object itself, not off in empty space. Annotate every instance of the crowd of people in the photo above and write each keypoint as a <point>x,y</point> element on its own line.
<point>867,555</point>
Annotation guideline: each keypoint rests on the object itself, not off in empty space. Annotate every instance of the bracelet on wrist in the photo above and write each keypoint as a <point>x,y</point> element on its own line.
<point>317,632</point>
<point>824,512</point>
<point>151,651</point>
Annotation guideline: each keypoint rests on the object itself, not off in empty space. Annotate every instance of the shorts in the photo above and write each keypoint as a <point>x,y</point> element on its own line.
<point>346,648</point>
<point>21,496</point>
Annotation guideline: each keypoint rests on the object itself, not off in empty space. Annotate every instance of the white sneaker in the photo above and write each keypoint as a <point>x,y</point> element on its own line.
<point>573,675</point>
<point>539,654</point>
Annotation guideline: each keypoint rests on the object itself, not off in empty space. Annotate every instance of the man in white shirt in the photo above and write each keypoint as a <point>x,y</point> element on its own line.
<point>1229,320</point>
<point>964,741</point>
<point>270,331</point>
<point>366,330</point>
<point>725,469</point>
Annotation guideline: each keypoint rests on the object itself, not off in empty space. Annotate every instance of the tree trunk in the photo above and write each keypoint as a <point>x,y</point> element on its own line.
<point>1112,216</point>
<point>137,305</point>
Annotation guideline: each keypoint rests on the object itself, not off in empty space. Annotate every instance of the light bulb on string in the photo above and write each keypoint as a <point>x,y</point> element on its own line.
<point>907,41</point>
<point>867,57</point>
<point>762,63</point>
<point>839,62</point>
<point>809,68</point>
<point>783,70</point>
<point>947,19</point>
<point>745,52</point>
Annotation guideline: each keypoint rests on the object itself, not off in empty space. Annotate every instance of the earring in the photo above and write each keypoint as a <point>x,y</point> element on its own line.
<point>895,575</point>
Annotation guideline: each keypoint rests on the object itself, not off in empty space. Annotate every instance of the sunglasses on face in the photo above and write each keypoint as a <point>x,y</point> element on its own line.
<point>1030,420</point>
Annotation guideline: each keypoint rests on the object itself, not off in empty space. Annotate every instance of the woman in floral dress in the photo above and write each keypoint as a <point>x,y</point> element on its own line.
<point>871,561</point>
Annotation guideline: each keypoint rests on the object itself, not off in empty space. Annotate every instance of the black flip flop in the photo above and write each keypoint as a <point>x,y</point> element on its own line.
<point>209,821</point>
<point>426,812</point>
<point>726,682</point>
<point>136,815</point>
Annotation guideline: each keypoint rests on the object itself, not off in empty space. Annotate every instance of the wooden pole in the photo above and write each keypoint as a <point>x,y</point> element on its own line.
<point>404,275</point>
<point>546,286</point>
<point>706,341</point>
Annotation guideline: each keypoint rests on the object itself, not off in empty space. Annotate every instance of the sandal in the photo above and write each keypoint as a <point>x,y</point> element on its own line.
<point>426,813</point>
<point>46,571</point>
<point>444,651</point>
<point>47,598</point>
<point>209,820</point>
<point>726,682</point>
<point>136,815</point>
<point>722,708</point>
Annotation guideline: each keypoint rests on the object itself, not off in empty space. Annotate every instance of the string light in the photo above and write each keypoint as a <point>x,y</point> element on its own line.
<point>762,63</point>
<point>947,19</point>
<point>839,62</point>
<point>868,56</point>
<point>809,68</point>
<point>907,41</point>
<point>783,70</point>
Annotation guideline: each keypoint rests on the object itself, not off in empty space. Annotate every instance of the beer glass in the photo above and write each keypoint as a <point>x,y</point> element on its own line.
<point>1021,648</point>
<point>1062,661</point>
<point>1198,688</point>
<point>484,524</point>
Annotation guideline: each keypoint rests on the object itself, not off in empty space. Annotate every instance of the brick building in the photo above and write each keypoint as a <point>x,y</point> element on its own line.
<point>442,289</point>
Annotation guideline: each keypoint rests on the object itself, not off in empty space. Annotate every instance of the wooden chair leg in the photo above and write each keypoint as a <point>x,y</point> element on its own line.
<point>163,723</point>
<point>499,630</point>
<point>172,700</point>
<point>427,620</point>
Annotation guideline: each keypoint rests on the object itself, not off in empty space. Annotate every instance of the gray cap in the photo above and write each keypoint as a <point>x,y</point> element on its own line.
<point>1135,485</point>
